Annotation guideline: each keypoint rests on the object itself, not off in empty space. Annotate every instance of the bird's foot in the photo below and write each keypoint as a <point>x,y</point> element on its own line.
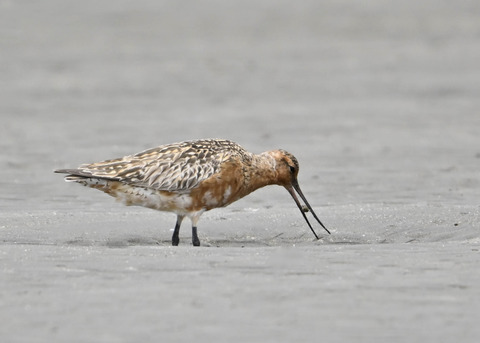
<point>175,240</point>
<point>195,240</point>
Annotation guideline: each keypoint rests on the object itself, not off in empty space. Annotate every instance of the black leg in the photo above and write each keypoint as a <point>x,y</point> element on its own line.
<point>176,231</point>
<point>195,240</point>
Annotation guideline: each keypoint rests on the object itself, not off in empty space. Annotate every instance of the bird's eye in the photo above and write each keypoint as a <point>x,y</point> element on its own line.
<point>292,169</point>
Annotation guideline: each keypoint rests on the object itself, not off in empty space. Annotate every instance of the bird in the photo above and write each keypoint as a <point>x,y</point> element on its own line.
<point>191,177</point>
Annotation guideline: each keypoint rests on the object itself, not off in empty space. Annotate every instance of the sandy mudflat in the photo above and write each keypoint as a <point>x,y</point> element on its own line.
<point>379,101</point>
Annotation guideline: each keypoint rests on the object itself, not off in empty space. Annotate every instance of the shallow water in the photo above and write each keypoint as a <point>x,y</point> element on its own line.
<point>379,101</point>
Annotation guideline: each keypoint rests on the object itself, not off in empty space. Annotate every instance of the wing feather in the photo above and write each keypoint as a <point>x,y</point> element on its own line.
<point>174,167</point>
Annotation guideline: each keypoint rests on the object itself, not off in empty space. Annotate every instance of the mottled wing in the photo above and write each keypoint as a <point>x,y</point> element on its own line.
<point>174,167</point>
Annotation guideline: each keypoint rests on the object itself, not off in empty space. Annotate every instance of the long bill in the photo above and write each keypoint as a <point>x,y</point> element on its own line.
<point>294,196</point>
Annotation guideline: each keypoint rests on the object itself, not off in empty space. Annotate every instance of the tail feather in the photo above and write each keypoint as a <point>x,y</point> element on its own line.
<point>90,181</point>
<point>76,178</point>
<point>81,174</point>
<point>87,179</point>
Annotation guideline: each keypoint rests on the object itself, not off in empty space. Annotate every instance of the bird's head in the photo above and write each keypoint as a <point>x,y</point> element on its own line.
<point>287,167</point>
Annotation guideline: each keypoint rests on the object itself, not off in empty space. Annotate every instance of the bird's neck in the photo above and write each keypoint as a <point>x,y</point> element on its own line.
<point>261,173</point>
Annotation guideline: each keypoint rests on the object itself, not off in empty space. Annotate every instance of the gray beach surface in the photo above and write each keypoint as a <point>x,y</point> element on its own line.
<point>378,100</point>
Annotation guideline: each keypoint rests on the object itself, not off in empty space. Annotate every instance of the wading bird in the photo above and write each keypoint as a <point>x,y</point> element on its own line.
<point>192,177</point>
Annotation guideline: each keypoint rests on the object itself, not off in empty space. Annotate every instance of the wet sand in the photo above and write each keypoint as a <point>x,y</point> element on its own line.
<point>379,101</point>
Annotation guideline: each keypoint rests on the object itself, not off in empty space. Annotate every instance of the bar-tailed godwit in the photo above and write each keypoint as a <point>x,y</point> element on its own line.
<point>192,177</point>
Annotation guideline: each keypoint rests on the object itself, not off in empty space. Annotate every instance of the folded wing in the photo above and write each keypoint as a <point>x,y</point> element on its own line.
<point>175,167</point>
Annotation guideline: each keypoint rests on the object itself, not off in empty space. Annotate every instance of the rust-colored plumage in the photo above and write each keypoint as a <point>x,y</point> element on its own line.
<point>192,177</point>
